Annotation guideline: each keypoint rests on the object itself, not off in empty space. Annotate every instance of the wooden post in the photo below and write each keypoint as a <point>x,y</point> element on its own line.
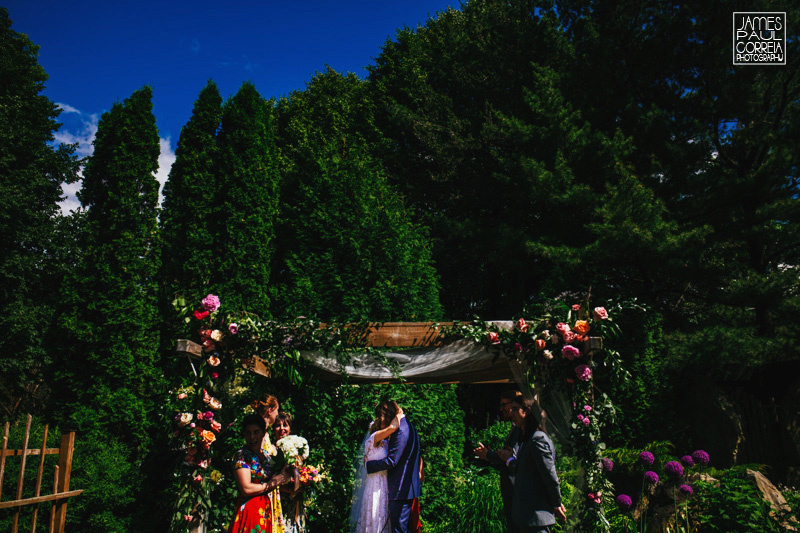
<point>52,527</point>
<point>3,458</point>
<point>65,469</point>
<point>39,479</point>
<point>21,478</point>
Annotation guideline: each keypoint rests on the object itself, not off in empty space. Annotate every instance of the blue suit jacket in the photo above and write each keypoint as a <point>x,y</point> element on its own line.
<point>402,462</point>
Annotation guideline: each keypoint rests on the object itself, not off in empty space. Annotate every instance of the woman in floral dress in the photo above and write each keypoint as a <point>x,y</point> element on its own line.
<point>255,481</point>
<point>294,516</point>
<point>267,408</point>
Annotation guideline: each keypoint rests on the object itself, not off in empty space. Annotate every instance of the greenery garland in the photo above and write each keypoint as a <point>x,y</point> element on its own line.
<point>562,342</point>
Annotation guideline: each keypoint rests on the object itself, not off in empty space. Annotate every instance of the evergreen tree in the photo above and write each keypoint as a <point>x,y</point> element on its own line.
<point>348,249</point>
<point>247,203</point>
<point>189,202</point>
<point>31,174</point>
<point>108,381</point>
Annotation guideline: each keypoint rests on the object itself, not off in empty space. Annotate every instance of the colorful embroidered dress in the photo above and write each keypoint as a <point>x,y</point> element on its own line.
<point>254,514</point>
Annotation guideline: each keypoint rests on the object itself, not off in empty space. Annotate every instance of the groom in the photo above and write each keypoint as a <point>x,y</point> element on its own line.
<point>403,463</point>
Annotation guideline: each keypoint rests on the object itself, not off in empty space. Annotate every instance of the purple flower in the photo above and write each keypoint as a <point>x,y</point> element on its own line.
<point>608,464</point>
<point>580,418</point>
<point>586,421</point>
<point>646,458</point>
<point>583,372</point>
<point>570,352</point>
<point>686,490</point>
<point>701,458</point>
<point>673,469</point>
<point>687,461</point>
<point>587,408</point>
<point>233,327</point>
<point>624,502</point>
<point>210,303</point>
<point>650,477</point>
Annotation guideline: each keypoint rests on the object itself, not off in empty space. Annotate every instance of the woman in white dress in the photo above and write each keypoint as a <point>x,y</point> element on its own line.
<point>370,511</point>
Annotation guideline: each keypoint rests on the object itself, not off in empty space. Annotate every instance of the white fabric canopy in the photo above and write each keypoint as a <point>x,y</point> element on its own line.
<point>460,361</point>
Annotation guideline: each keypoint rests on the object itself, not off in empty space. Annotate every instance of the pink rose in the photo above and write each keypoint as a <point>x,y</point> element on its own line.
<point>233,328</point>
<point>215,426</point>
<point>517,346</point>
<point>209,345</point>
<point>494,338</point>
<point>210,303</point>
<point>587,408</point>
<point>562,328</point>
<point>583,372</point>
<point>198,479</point>
<point>182,396</point>
<point>522,325</point>
<point>600,313</point>
<point>586,421</point>
<point>570,352</point>
<point>576,307</point>
<point>580,418</point>
<point>208,415</point>
<point>187,518</point>
<point>569,336</point>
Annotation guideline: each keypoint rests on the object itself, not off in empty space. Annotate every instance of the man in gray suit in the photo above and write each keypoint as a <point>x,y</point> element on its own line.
<point>512,442</point>
<point>537,494</point>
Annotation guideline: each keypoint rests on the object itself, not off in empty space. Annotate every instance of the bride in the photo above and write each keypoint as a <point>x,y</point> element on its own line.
<point>370,511</point>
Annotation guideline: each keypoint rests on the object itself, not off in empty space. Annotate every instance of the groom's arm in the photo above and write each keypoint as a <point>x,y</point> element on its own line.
<point>397,443</point>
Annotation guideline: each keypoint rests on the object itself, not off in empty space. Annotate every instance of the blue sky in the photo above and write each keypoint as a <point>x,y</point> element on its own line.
<point>98,52</point>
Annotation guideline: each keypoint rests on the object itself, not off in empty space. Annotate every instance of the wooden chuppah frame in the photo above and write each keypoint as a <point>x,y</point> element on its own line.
<point>375,335</point>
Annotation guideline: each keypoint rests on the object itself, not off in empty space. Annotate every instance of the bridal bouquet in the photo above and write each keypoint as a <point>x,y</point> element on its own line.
<point>293,448</point>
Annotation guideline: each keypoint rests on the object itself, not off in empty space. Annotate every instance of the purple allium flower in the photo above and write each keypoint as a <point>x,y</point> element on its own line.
<point>650,477</point>
<point>624,502</point>
<point>686,490</point>
<point>687,461</point>
<point>646,458</point>
<point>587,408</point>
<point>210,303</point>
<point>586,421</point>
<point>580,418</point>
<point>701,458</point>
<point>583,372</point>
<point>570,352</point>
<point>608,464</point>
<point>673,469</point>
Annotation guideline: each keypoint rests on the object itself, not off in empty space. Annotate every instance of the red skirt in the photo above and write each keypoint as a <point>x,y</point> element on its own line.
<point>252,516</point>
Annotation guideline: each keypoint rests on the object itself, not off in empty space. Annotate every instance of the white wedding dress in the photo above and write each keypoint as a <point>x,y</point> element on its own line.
<point>373,511</point>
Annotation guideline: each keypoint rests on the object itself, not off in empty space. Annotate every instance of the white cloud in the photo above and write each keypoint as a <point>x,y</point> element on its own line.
<point>84,137</point>
<point>66,108</point>
<point>165,161</point>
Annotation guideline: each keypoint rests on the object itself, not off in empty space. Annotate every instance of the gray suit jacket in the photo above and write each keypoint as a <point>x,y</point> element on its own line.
<point>536,488</point>
<point>506,474</point>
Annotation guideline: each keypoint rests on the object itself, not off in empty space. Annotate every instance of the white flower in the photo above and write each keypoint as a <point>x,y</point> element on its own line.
<point>216,335</point>
<point>547,354</point>
<point>293,446</point>
<point>184,419</point>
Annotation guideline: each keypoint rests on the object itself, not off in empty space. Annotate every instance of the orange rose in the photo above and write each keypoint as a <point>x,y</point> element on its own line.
<point>208,437</point>
<point>540,344</point>
<point>581,327</point>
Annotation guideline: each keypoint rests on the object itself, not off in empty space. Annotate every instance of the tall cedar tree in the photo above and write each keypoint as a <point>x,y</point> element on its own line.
<point>108,380</point>
<point>31,173</point>
<point>348,248</point>
<point>443,90</point>
<point>246,203</point>
<point>189,200</point>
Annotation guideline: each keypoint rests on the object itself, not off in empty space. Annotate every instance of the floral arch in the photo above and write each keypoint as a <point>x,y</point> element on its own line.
<point>553,359</point>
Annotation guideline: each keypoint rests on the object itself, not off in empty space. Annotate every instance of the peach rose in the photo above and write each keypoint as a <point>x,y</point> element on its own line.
<point>600,313</point>
<point>562,328</point>
<point>581,327</point>
<point>216,335</point>
<point>522,325</point>
<point>540,344</point>
<point>215,426</point>
<point>494,338</point>
<point>208,437</point>
<point>213,360</point>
